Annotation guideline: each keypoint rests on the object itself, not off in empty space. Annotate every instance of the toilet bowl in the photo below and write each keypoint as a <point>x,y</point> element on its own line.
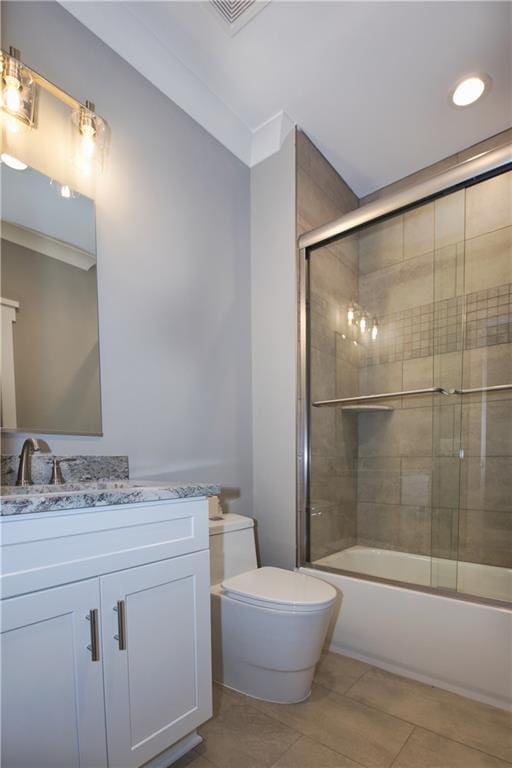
<point>268,624</point>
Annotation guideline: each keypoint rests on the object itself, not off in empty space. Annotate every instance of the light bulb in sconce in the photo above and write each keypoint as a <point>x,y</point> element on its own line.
<point>363,324</point>
<point>18,91</point>
<point>351,314</point>
<point>11,97</point>
<point>375,329</point>
<point>89,139</point>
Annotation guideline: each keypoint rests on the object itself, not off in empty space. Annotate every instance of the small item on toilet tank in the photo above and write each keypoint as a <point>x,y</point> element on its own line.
<point>214,508</point>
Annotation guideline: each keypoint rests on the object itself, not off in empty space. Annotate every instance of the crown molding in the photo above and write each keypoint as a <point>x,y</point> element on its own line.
<point>118,27</point>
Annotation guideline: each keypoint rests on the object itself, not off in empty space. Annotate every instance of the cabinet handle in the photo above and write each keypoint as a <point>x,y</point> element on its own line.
<point>121,624</point>
<point>94,647</point>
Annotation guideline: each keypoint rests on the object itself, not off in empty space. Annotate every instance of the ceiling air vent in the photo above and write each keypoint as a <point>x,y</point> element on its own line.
<point>235,14</point>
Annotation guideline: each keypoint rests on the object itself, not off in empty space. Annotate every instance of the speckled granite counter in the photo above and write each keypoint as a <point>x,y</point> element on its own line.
<point>76,469</point>
<point>51,498</point>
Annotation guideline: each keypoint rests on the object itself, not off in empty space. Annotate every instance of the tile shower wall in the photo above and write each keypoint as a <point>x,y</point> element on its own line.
<point>439,280</point>
<point>321,196</point>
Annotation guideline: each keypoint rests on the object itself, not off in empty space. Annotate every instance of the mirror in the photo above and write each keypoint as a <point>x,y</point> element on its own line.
<point>49,307</point>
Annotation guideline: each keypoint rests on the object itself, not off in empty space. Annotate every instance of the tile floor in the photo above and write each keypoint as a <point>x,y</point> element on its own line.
<point>357,715</point>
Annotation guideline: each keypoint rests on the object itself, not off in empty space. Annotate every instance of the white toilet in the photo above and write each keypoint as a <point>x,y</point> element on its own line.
<point>268,624</point>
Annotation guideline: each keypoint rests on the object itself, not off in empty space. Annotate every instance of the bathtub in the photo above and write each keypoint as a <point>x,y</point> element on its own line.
<point>467,578</point>
<point>463,646</point>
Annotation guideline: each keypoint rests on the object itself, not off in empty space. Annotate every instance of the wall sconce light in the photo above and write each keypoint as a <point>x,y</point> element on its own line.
<point>90,134</point>
<point>89,138</point>
<point>359,319</point>
<point>18,92</point>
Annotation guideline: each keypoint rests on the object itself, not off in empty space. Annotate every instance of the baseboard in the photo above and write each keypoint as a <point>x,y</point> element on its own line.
<point>171,755</point>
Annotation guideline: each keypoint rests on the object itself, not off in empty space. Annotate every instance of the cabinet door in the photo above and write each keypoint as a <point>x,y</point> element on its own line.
<point>53,713</point>
<point>156,644</point>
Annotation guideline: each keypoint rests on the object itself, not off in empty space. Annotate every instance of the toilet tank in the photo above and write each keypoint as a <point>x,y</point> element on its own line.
<point>232,547</point>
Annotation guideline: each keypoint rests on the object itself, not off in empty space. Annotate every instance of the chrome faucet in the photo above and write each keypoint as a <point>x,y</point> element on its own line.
<point>30,446</point>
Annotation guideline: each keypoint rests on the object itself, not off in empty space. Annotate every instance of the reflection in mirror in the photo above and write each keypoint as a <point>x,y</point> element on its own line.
<point>49,307</point>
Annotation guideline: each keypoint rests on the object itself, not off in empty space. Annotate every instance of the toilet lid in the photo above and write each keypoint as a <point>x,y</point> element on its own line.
<point>276,586</point>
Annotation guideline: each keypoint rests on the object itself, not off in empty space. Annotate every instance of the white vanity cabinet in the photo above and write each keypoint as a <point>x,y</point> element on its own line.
<point>105,650</point>
<point>52,694</point>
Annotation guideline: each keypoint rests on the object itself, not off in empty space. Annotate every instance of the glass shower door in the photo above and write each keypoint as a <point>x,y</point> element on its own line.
<point>410,473</point>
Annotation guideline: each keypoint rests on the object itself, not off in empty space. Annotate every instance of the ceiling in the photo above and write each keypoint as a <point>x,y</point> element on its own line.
<point>369,82</point>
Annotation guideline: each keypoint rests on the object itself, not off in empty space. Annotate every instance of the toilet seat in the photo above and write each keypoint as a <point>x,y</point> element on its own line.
<point>279,589</point>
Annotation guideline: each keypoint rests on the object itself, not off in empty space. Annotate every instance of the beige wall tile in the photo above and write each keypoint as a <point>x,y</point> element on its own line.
<point>446,425</point>
<point>347,378</point>
<point>449,272</point>
<point>323,375</point>
<point>449,219</point>
<point>332,527</point>
<point>470,722</point>
<point>331,278</point>
<point>448,370</point>
<point>314,202</point>
<point>379,480</point>
<point>391,526</point>
<point>380,291</point>
<point>346,429</point>
<point>416,482</point>
<point>418,373</point>
<point>488,366</point>
<point>323,432</point>
<point>401,286</point>
<point>399,433</point>
<point>318,169</point>
<point>489,260</point>
<point>487,428</point>
<point>446,472</point>
<point>385,377</point>
<point>329,483</point>
<point>347,250</point>
<point>381,245</point>
<point>445,533</point>
<point>489,205</point>
<point>419,231</point>
<point>487,484</point>
<point>485,537</point>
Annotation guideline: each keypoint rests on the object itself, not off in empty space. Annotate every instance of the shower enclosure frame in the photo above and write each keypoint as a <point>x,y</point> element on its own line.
<point>462,175</point>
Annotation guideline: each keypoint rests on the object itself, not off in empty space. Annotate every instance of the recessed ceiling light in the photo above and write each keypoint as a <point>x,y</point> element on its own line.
<point>470,89</point>
<point>13,162</point>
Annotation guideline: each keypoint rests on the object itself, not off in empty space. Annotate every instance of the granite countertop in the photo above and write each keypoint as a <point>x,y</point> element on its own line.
<point>17,500</point>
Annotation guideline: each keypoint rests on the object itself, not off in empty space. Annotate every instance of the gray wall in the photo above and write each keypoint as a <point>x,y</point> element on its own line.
<point>173,267</point>
<point>55,335</point>
<point>274,342</point>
